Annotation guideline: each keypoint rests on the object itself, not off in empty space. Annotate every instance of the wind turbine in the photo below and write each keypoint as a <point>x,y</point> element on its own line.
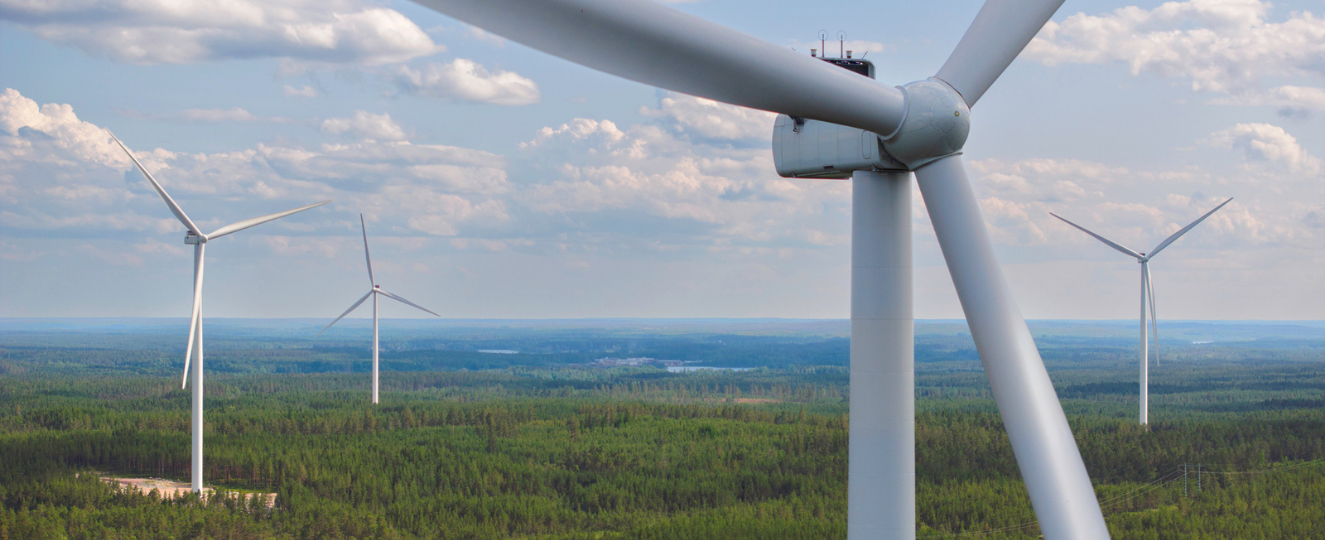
<point>373,292</point>
<point>920,127</point>
<point>1147,292</point>
<point>195,237</point>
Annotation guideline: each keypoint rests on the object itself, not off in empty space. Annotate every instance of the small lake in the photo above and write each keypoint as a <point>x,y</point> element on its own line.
<point>688,369</point>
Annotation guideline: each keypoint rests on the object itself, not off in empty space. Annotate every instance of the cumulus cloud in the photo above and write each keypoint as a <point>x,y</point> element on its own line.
<point>168,32</point>
<point>466,80</point>
<point>486,37</point>
<point>1266,142</point>
<point>651,184</point>
<point>366,125</point>
<point>592,186</point>
<point>712,119</point>
<point>1045,179</point>
<point>305,91</point>
<point>233,114</point>
<point>1139,208</point>
<point>62,176</point>
<point>594,192</point>
<point>51,133</point>
<point>575,130</point>
<point>1218,45</point>
<point>1289,101</point>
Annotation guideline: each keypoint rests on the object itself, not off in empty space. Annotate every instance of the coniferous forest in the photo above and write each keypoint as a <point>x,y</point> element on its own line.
<point>543,444</point>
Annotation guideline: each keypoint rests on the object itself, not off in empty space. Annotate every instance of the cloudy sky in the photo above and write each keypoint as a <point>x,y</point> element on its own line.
<point>500,182</point>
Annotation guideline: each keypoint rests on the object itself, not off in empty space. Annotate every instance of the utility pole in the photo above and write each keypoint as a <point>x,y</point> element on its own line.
<point>1184,480</point>
<point>1198,477</point>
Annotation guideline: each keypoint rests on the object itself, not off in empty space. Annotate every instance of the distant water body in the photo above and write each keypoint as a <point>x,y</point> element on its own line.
<point>688,369</point>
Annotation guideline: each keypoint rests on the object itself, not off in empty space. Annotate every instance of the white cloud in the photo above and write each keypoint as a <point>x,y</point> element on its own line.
<point>1138,208</point>
<point>1219,45</point>
<point>712,119</point>
<point>647,190</point>
<point>1044,179</point>
<point>170,32</point>
<point>366,125</point>
<point>305,91</point>
<point>52,133</point>
<point>1290,101</point>
<point>577,129</point>
<point>438,214</point>
<point>368,165</point>
<point>466,80</point>
<point>1265,142</point>
<point>233,114</point>
<point>486,37</point>
<point>63,176</point>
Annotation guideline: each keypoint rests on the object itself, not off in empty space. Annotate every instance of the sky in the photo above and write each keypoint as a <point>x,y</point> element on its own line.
<point>497,181</point>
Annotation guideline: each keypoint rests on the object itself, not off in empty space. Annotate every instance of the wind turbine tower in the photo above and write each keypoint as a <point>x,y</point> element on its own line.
<point>836,121</point>
<point>198,240</point>
<point>373,292</point>
<point>1147,296</point>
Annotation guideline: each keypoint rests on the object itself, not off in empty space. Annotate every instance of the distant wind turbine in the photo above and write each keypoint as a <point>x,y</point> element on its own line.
<point>1147,293</point>
<point>199,241</point>
<point>374,291</point>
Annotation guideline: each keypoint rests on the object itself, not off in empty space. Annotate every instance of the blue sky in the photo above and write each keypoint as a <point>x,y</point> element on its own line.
<point>500,182</point>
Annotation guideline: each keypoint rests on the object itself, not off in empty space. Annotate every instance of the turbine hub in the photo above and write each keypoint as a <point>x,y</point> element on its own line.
<point>190,238</point>
<point>936,124</point>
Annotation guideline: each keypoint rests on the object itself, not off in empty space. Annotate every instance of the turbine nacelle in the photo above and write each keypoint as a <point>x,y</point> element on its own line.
<point>935,124</point>
<point>376,290</point>
<point>194,237</point>
<point>1147,297</point>
<point>863,126</point>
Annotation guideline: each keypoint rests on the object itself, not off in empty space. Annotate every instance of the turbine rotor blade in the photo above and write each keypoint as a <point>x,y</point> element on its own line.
<point>1184,230</point>
<point>371,280</point>
<point>1106,241</point>
<point>347,312</point>
<point>1047,455</point>
<point>1154,321</point>
<point>399,299</point>
<point>997,35</point>
<point>660,46</point>
<point>199,251</point>
<point>174,208</point>
<point>241,225</point>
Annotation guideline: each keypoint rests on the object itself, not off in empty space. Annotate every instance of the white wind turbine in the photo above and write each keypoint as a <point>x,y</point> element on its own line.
<point>1147,294</point>
<point>199,241</point>
<point>373,292</point>
<point>920,127</point>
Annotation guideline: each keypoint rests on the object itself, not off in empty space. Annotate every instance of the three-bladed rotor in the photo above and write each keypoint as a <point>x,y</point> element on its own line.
<point>923,125</point>
<point>660,46</point>
<point>372,282</point>
<point>1144,257</point>
<point>195,237</point>
<point>1148,283</point>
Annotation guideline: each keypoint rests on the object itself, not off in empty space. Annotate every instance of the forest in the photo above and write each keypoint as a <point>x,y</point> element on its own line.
<point>539,445</point>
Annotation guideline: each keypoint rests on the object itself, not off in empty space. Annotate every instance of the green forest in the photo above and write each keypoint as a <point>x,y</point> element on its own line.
<point>540,446</point>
